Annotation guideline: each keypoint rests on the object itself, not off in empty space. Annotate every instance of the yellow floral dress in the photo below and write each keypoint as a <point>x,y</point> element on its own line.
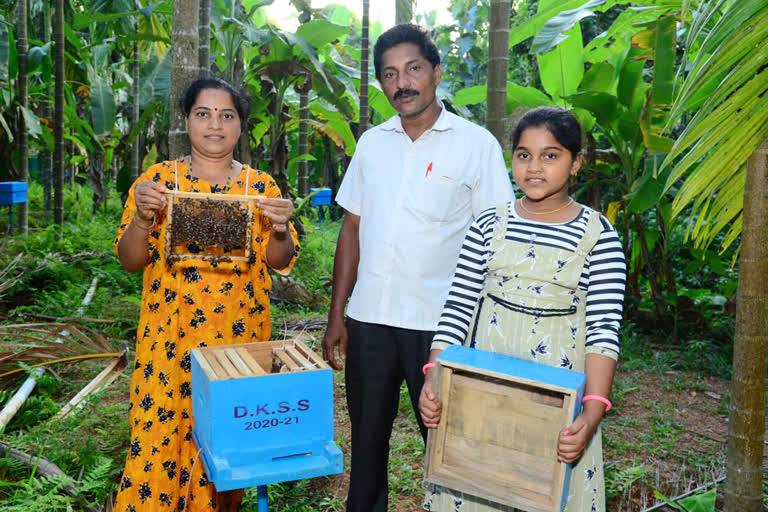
<point>187,304</point>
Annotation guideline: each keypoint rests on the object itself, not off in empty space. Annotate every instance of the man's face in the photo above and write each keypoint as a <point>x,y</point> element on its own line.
<point>408,79</point>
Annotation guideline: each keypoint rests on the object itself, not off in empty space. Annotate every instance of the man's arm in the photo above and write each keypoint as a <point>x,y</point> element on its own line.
<point>344,278</point>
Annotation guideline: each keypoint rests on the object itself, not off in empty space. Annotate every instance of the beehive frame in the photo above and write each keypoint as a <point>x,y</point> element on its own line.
<point>258,359</point>
<point>243,201</point>
<point>497,437</point>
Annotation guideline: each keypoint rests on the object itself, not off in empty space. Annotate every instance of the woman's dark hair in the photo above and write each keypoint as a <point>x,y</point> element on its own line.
<point>239,99</point>
<point>561,123</point>
<point>404,33</point>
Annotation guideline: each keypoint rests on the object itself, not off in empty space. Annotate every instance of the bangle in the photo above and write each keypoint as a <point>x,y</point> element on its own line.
<point>599,399</point>
<point>427,367</point>
<point>137,222</point>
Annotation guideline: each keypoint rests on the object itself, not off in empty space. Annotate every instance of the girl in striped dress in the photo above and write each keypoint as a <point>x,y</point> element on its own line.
<point>541,278</point>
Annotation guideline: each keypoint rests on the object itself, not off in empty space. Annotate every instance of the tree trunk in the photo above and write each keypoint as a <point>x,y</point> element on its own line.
<point>135,162</point>
<point>403,11</point>
<point>746,421</point>
<point>303,178</point>
<point>95,171</point>
<point>23,99</point>
<point>205,38</point>
<point>47,156</point>
<point>303,170</point>
<point>498,62</point>
<point>243,148</point>
<point>184,69</point>
<point>364,71</point>
<point>58,122</point>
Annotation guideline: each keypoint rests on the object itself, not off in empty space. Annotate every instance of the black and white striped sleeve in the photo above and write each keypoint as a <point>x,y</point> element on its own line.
<point>605,279</point>
<point>467,283</point>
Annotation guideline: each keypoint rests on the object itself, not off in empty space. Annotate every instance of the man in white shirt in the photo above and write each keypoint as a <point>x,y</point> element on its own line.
<point>411,191</point>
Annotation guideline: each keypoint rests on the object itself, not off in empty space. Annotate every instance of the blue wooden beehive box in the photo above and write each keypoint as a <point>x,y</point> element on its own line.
<point>263,413</point>
<point>12,192</point>
<point>497,436</point>
<point>323,196</point>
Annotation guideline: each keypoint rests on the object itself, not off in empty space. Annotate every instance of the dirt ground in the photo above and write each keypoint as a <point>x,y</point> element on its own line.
<point>666,433</point>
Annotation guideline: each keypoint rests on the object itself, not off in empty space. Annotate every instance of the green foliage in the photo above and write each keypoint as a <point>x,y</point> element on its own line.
<point>619,480</point>
<point>702,502</point>
<point>297,496</point>
<point>314,268</point>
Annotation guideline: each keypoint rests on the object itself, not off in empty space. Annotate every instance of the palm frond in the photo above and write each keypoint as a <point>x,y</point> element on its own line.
<point>726,88</point>
<point>42,344</point>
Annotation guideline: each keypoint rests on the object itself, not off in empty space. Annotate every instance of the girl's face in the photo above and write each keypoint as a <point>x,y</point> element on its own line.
<point>213,124</point>
<point>541,166</point>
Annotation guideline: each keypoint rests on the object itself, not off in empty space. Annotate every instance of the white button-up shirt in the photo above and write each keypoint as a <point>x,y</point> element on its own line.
<point>416,200</point>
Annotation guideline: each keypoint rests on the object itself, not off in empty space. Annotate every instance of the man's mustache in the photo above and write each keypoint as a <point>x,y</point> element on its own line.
<point>400,92</point>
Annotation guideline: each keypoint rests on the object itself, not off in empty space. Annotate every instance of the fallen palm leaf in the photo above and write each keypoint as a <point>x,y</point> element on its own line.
<point>6,279</point>
<point>46,344</point>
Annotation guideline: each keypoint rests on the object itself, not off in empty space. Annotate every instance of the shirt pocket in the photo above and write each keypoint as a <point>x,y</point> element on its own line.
<point>439,198</point>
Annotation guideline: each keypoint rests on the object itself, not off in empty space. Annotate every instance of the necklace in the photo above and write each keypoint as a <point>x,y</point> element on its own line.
<point>230,174</point>
<point>522,205</point>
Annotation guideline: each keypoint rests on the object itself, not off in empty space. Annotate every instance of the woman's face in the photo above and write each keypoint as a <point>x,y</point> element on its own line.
<point>541,165</point>
<point>213,124</point>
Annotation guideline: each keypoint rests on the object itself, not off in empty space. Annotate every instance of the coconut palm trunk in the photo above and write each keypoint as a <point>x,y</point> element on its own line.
<point>135,160</point>
<point>205,37</point>
<point>47,156</point>
<point>498,62</point>
<point>403,11</point>
<point>23,99</point>
<point>746,420</point>
<point>303,170</point>
<point>184,69</point>
<point>364,51</point>
<point>58,122</point>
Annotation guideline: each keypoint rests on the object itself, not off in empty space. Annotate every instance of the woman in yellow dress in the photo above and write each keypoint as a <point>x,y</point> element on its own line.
<point>193,302</point>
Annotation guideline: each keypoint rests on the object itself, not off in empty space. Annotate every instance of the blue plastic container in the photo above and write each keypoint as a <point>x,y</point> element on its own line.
<point>13,192</point>
<point>264,429</point>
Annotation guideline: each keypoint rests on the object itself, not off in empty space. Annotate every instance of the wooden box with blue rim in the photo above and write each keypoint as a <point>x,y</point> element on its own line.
<point>498,432</point>
<point>263,413</point>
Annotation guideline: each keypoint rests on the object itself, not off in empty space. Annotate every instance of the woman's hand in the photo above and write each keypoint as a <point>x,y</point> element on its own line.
<point>278,211</point>
<point>429,408</point>
<point>150,199</point>
<point>574,438</point>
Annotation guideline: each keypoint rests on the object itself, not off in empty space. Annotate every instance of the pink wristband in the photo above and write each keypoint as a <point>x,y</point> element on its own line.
<point>427,367</point>
<point>599,399</point>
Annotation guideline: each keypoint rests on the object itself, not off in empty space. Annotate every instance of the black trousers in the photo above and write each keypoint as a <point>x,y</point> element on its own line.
<point>379,357</point>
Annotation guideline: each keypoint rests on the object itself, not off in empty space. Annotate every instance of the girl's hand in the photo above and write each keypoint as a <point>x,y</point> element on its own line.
<point>150,199</point>
<point>429,408</point>
<point>574,438</point>
<point>278,211</point>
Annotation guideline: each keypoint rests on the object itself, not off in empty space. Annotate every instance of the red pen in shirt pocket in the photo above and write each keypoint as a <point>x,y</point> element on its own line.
<point>429,170</point>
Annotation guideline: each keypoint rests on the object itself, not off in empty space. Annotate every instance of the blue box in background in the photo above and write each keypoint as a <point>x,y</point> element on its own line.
<point>323,196</point>
<point>320,199</point>
<point>256,427</point>
<point>13,192</point>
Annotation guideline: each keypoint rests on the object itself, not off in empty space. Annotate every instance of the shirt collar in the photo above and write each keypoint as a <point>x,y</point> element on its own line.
<point>442,124</point>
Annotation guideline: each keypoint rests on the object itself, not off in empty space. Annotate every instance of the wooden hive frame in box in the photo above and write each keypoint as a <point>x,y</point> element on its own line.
<point>258,359</point>
<point>203,201</point>
<point>263,413</point>
<point>497,436</point>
